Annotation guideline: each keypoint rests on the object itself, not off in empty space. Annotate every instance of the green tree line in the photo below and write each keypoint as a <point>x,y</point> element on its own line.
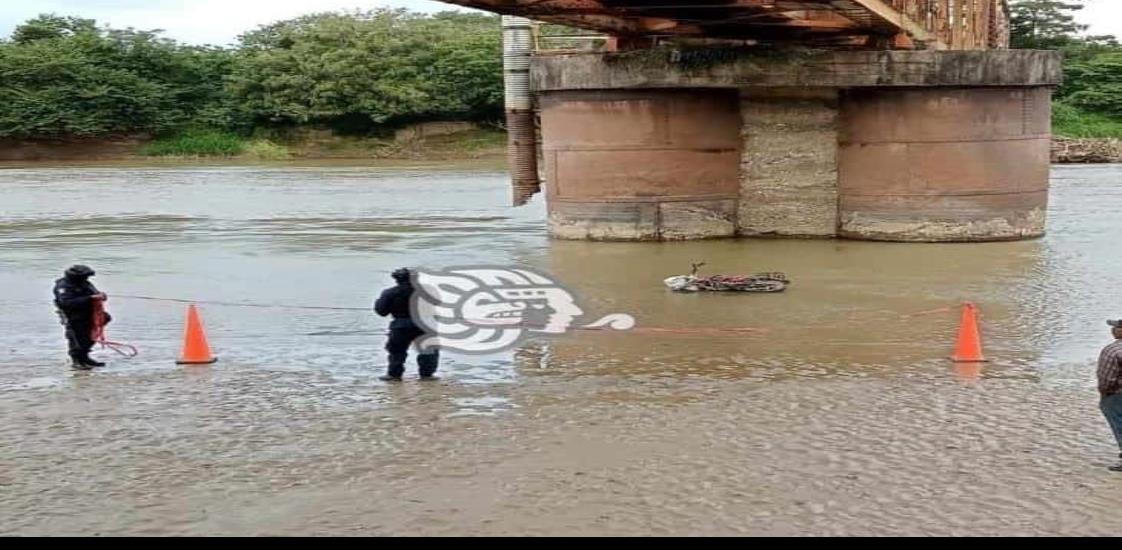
<point>67,77</point>
<point>1089,104</point>
<point>356,72</point>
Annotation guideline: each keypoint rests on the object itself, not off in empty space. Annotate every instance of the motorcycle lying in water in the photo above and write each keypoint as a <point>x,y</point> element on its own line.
<point>760,282</point>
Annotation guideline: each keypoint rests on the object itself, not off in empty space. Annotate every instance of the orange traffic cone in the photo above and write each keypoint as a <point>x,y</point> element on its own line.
<point>968,349</point>
<point>196,351</point>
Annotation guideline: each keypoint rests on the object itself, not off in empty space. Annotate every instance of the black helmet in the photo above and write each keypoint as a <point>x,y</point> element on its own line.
<point>80,272</point>
<point>402,275</point>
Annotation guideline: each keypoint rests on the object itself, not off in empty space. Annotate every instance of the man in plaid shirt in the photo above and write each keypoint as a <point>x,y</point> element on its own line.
<point>1110,385</point>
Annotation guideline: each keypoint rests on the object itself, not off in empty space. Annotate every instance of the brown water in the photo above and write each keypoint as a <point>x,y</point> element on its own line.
<point>840,415</point>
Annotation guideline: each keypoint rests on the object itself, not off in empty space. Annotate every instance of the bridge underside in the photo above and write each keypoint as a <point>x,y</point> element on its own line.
<point>906,24</point>
<point>900,120</point>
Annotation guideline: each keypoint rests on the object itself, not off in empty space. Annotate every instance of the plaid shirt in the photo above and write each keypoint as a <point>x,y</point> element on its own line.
<point>1110,369</point>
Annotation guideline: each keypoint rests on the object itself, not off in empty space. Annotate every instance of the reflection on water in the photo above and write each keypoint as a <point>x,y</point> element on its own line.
<point>827,409</point>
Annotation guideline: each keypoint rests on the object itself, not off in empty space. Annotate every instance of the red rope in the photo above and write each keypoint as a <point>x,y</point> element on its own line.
<point>97,333</point>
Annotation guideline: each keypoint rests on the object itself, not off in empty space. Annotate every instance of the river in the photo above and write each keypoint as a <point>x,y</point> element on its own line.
<point>828,409</point>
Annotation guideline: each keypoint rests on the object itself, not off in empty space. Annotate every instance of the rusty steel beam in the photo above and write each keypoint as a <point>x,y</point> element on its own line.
<point>894,17</point>
<point>885,22</point>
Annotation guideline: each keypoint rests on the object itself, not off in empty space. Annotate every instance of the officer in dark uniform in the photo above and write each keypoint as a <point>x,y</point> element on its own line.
<point>75,297</point>
<point>396,301</point>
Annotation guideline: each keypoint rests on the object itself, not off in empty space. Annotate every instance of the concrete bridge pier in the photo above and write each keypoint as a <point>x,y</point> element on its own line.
<point>944,164</point>
<point>641,164</point>
<point>925,146</point>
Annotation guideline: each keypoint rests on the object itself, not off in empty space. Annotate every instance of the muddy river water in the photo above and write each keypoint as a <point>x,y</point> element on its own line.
<point>829,409</point>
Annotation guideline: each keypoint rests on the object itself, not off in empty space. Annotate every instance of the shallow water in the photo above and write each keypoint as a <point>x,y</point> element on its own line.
<point>831,409</point>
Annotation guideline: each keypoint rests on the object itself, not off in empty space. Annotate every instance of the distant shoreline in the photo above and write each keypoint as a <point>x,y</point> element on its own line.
<point>475,148</point>
<point>1086,151</point>
<point>470,145</point>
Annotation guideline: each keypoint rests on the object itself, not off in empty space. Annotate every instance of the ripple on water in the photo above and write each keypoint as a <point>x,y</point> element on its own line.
<point>831,410</point>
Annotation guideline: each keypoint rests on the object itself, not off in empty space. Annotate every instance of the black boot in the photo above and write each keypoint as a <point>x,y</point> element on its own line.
<point>427,365</point>
<point>79,365</point>
<point>83,356</point>
<point>396,368</point>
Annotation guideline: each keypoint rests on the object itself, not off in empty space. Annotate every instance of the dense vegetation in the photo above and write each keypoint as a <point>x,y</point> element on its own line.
<point>362,73</point>
<point>1089,104</point>
<point>66,77</point>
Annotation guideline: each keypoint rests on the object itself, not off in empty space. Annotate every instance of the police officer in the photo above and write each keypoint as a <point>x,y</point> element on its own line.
<point>396,301</point>
<point>75,297</point>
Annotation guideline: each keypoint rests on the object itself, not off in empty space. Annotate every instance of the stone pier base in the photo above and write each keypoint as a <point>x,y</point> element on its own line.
<point>901,146</point>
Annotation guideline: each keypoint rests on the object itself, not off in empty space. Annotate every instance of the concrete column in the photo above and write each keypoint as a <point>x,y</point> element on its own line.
<point>641,164</point>
<point>522,147</point>
<point>944,164</point>
<point>789,183</point>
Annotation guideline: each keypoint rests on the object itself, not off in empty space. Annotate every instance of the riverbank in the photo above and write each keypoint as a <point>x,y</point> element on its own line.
<point>1081,137</point>
<point>475,145</point>
<point>432,142</point>
<point>1086,150</point>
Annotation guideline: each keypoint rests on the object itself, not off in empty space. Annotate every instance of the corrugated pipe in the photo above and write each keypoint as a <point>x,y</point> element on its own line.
<point>522,146</point>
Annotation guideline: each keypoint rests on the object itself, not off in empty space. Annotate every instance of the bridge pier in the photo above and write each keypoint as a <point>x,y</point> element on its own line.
<point>944,164</point>
<point>927,146</point>
<point>789,173</point>
<point>641,164</point>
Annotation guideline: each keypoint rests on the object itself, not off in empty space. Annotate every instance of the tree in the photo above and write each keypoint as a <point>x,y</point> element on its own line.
<point>48,26</point>
<point>56,88</point>
<point>1044,24</point>
<point>1092,64</point>
<point>1094,84</point>
<point>64,77</point>
<point>355,71</point>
